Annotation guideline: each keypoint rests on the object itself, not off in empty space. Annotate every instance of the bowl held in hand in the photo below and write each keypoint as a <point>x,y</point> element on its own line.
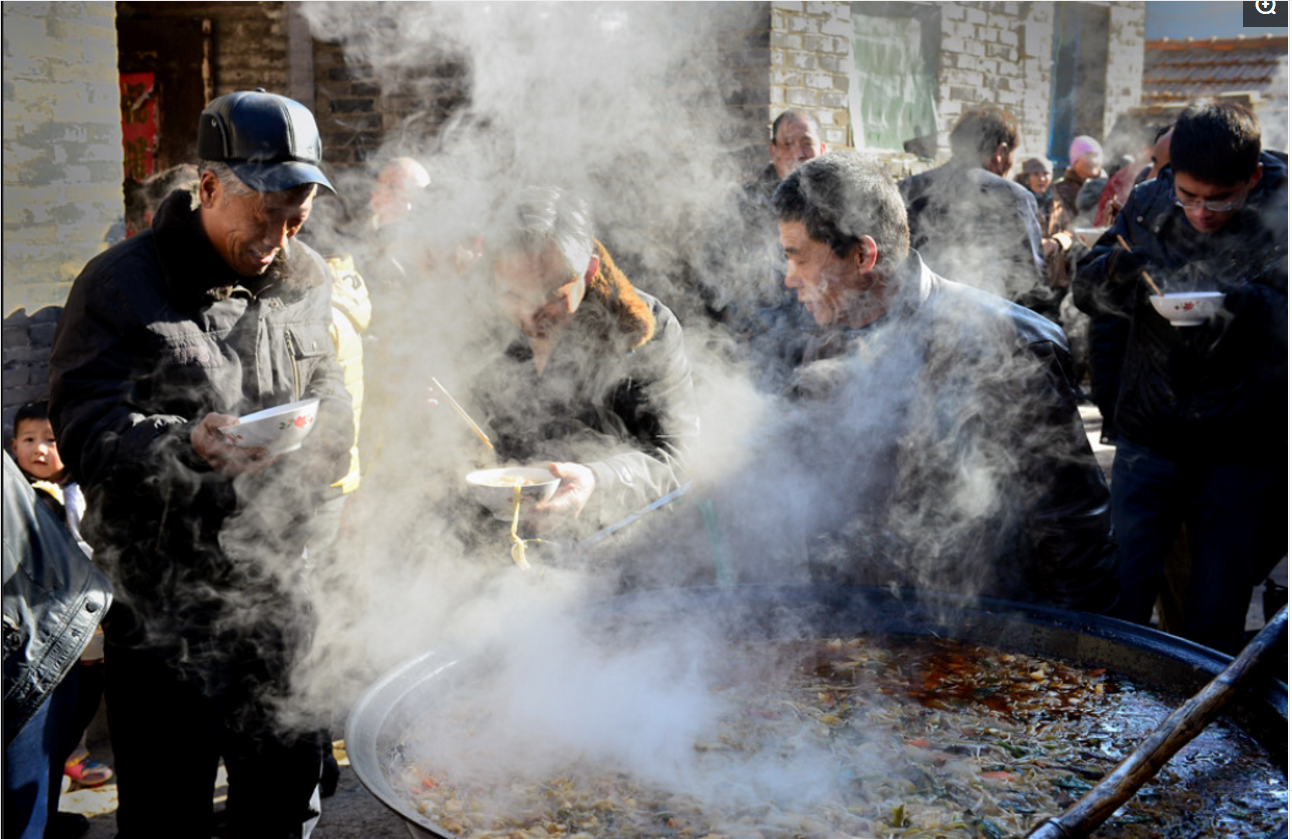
<point>1188,308</point>
<point>277,430</point>
<point>495,489</point>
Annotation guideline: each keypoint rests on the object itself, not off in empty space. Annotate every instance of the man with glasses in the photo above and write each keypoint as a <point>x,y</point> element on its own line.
<point>1200,411</point>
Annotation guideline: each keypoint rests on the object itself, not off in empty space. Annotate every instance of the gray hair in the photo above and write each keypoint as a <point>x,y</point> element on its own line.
<point>538,216</point>
<point>231,182</point>
<point>842,196</point>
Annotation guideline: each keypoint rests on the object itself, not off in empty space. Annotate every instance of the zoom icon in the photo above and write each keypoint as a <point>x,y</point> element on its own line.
<point>1265,13</point>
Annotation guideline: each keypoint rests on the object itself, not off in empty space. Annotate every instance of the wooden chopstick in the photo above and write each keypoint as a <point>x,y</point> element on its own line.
<point>453,403</point>
<point>1142,272</point>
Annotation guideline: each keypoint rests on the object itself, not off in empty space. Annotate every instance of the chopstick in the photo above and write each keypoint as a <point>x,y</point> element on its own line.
<point>453,403</point>
<point>1142,272</point>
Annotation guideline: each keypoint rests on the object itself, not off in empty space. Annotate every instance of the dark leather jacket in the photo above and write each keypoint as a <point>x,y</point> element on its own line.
<point>978,227</point>
<point>156,333</point>
<point>1225,381</point>
<point>616,395</point>
<point>54,598</point>
<point>955,457</point>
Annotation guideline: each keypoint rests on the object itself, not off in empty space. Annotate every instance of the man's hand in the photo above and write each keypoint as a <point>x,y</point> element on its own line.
<point>577,485</point>
<point>1126,266</point>
<point>227,459</point>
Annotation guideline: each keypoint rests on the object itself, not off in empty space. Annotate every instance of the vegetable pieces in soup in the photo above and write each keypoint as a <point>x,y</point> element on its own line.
<point>852,737</point>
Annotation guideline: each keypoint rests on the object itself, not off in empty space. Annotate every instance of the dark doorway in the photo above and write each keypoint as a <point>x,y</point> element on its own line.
<point>172,50</point>
<point>164,65</point>
<point>1080,75</point>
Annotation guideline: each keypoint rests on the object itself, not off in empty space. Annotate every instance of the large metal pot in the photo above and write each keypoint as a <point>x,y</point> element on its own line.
<point>1149,658</point>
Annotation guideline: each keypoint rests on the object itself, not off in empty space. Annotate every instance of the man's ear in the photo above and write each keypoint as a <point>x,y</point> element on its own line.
<point>594,265</point>
<point>866,254</point>
<point>1256,175</point>
<point>208,189</point>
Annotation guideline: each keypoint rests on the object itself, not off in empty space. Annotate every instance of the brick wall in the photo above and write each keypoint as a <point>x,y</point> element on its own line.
<point>359,114</point>
<point>62,171</point>
<point>990,52</point>
<point>1000,54</point>
<point>811,49</point>
<point>1125,60</point>
<point>250,40</point>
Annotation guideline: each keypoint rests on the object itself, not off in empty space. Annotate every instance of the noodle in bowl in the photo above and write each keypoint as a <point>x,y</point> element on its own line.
<point>495,489</point>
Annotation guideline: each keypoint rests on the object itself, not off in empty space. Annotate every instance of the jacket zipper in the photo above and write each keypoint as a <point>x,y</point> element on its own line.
<point>296,376</point>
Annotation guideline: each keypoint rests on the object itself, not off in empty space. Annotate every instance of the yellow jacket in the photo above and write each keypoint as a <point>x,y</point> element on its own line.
<point>351,314</point>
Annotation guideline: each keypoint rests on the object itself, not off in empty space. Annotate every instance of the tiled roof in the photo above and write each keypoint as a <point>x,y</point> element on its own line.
<point>1182,70</point>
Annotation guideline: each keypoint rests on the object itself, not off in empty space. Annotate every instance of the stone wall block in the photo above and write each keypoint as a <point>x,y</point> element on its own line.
<point>14,375</point>
<point>841,28</point>
<point>62,145</point>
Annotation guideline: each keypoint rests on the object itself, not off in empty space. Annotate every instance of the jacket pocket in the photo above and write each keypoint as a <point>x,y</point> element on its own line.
<point>307,344</point>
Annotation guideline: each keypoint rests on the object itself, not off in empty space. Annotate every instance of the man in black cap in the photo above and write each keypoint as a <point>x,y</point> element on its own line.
<point>167,337</point>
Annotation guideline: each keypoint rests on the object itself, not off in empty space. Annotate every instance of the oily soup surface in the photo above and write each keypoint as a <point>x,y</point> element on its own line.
<point>853,737</point>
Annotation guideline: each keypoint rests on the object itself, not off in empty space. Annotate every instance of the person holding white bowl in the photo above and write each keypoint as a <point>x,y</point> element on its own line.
<point>215,312</point>
<point>1200,409</point>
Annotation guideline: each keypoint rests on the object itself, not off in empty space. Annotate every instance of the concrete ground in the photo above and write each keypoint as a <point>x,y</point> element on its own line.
<point>353,813</point>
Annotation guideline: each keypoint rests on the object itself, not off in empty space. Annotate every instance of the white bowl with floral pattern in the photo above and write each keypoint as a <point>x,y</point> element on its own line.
<point>1188,308</point>
<point>277,430</point>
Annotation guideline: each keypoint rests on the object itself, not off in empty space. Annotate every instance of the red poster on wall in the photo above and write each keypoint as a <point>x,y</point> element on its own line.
<point>138,123</point>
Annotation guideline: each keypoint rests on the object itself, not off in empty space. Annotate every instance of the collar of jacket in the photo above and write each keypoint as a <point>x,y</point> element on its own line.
<point>197,275</point>
<point>613,315</point>
<point>630,320</point>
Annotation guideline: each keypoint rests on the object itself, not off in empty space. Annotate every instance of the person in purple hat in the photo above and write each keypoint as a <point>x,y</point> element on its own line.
<point>215,311</point>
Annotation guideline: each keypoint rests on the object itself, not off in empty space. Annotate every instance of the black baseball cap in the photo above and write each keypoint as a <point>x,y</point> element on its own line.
<point>269,141</point>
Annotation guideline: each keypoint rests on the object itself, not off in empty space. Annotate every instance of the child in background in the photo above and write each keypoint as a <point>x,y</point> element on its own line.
<point>36,454</point>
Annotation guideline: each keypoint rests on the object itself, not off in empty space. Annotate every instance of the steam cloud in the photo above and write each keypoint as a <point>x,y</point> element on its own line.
<point>618,103</point>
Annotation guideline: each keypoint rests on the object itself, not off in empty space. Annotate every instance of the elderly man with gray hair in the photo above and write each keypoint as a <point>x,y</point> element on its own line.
<point>592,376</point>
<point>933,438</point>
<point>213,313</point>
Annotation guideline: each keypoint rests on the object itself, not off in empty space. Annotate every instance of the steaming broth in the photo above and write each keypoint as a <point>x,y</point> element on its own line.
<point>925,739</point>
<point>509,481</point>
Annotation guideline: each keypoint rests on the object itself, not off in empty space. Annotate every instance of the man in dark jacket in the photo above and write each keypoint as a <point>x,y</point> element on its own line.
<point>968,221</point>
<point>1201,411</point>
<point>935,440</point>
<point>593,376</point>
<point>745,267</point>
<point>166,338</point>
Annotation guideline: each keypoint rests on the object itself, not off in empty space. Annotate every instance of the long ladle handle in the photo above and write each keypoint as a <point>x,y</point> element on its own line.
<point>1185,723</point>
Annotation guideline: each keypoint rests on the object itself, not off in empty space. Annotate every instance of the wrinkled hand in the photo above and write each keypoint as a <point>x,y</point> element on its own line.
<point>577,485</point>
<point>227,459</point>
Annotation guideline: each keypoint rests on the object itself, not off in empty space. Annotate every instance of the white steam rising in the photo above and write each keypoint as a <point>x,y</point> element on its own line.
<point>622,104</point>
